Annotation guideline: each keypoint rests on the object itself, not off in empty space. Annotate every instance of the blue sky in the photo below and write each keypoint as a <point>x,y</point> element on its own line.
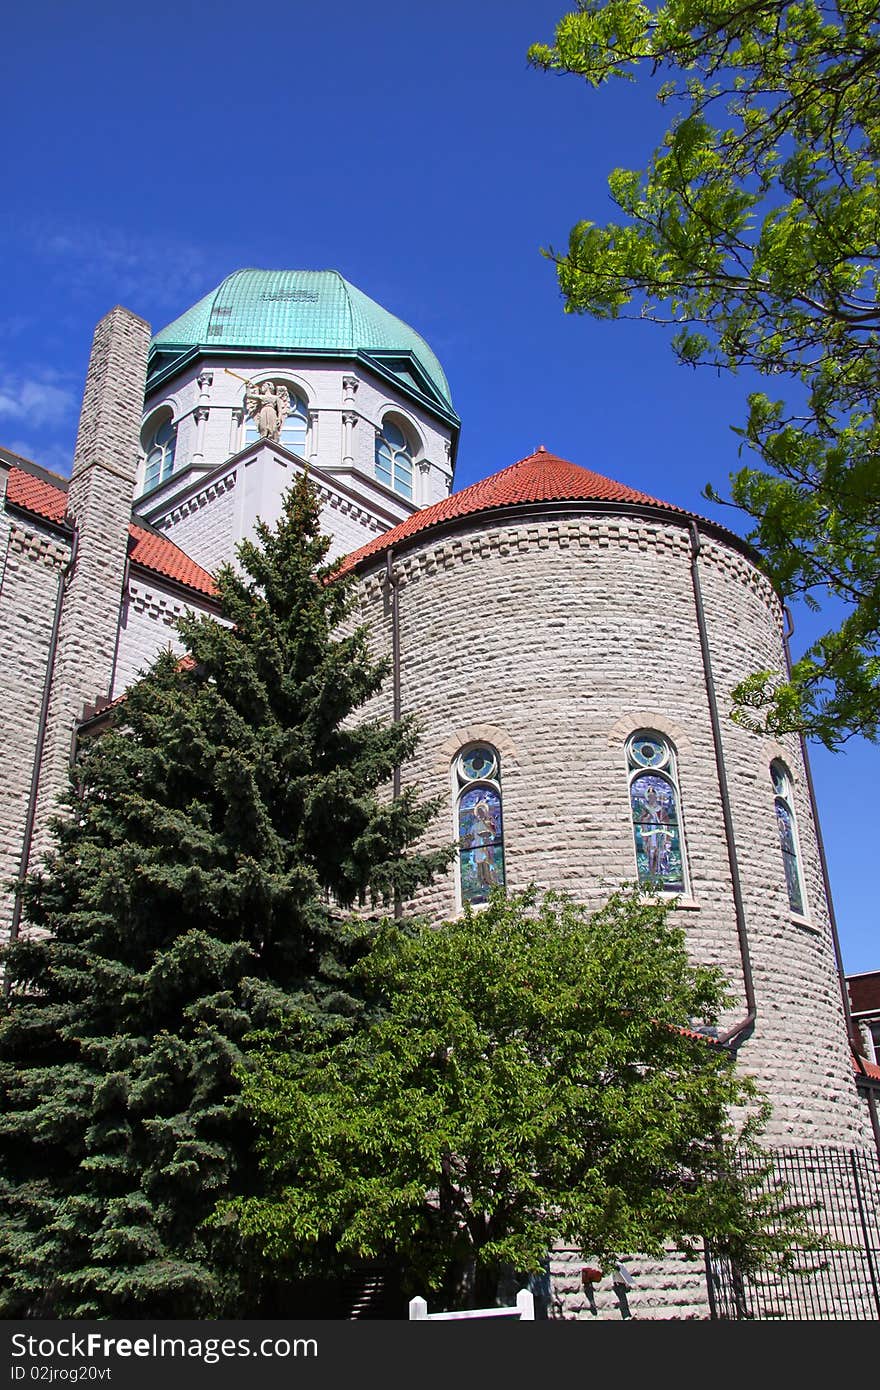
<point>151,151</point>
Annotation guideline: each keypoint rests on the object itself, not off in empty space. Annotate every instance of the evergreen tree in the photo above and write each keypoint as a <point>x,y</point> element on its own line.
<point>202,883</point>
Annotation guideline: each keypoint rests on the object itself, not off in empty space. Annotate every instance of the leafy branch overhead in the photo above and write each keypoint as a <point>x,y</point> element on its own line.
<point>754,230</point>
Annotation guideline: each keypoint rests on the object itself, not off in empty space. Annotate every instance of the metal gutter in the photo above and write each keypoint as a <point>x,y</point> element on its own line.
<point>738,1033</point>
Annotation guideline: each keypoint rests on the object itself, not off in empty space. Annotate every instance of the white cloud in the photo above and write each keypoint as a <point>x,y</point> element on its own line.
<point>154,269</point>
<point>37,398</point>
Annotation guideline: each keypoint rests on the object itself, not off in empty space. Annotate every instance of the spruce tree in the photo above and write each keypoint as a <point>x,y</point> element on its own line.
<point>205,881</point>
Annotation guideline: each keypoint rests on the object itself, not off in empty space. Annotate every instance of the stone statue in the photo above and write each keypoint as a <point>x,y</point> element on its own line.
<point>269,405</point>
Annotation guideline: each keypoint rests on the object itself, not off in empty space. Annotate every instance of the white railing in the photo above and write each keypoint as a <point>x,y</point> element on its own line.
<point>524,1309</point>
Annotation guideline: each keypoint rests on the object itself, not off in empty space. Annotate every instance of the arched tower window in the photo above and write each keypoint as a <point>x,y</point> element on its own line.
<point>394,458</point>
<point>279,396</point>
<point>480,827</point>
<point>159,440</point>
<point>788,841</point>
<point>654,801</point>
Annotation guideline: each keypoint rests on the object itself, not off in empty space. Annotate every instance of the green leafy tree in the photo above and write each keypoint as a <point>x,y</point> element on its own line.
<point>217,838</point>
<point>525,1079</point>
<point>755,230</point>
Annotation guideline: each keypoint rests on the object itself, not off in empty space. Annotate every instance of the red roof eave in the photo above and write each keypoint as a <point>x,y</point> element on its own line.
<point>541,477</point>
<point>146,549</point>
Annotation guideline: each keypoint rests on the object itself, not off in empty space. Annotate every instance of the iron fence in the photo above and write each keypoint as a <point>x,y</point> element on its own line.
<point>841,1191</point>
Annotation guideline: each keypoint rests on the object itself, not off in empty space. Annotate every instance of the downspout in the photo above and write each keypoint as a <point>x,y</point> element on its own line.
<point>391,580</point>
<point>123,617</point>
<point>737,1034</point>
<point>826,884</point>
<point>30,818</point>
<point>872,1111</point>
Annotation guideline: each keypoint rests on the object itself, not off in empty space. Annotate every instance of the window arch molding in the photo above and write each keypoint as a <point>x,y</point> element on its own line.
<point>479,822</point>
<point>655,811</point>
<point>158,443</point>
<point>294,431</point>
<point>399,447</point>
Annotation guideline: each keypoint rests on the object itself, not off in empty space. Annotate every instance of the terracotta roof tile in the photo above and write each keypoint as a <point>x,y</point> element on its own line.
<point>146,548</point>
<point>35,495</point>
<point>161,556</point>
<point>862,1067</point>
<point>540,477</point>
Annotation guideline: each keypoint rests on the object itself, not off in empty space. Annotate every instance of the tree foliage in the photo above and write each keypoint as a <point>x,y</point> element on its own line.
<point>217,837</point>
<point>525,1079</point>
<point>754,229</point>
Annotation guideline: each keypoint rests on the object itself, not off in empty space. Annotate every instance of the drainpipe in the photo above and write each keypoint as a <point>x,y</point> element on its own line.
<point>63,585</point>
<point>738,1033</point>
<point>391,580</point>
<point>826,884</point>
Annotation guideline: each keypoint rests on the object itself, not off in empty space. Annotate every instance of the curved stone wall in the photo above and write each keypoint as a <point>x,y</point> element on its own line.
<point>556,638</point>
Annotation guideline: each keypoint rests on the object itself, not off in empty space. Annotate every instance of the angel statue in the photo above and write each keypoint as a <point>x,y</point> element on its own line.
<point>269,405</point>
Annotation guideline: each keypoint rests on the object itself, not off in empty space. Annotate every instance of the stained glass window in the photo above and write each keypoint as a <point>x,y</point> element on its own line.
<point>480,826</point>
<point>159,446</point>
<point>394,459</point>
<point>654,802</point>
<point>293,431</point>
<point>785,822</point>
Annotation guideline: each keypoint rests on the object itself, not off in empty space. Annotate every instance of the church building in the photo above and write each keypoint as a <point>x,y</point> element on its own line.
<point>567,642</point>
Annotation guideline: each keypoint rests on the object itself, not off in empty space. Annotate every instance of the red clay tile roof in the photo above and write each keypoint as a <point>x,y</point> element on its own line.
<point>35,495</point>
<point>161,556</point>
<point>146,549</point>
<point>541,477</point>
<point>862,1067</point>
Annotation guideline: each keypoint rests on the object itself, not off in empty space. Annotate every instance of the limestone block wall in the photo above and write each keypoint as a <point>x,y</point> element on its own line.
<point>33,561</point>
<point>212,514</point>
<point>203,519</point>
<point>147,627</point>
<point>557,639</point>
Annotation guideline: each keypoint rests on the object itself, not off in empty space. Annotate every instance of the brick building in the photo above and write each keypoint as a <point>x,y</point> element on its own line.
<point>568,644</point>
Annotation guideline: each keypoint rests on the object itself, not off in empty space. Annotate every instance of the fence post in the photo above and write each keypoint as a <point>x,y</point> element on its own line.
<point>418,1308</point>
<point>525,1302</point>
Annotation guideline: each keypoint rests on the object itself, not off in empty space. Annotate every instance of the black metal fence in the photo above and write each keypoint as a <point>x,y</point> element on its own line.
<point>839,1281</point>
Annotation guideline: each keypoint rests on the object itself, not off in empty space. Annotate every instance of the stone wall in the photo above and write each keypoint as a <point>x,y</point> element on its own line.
<point>33,561</point>
<point>149,614</point>
<point>208,518</point>
<point>555,640</point>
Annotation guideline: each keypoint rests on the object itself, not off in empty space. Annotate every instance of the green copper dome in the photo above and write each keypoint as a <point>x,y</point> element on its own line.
<point>307,312</point>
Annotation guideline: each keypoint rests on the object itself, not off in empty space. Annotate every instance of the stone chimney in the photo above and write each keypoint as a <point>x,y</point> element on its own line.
<point>99,506</point>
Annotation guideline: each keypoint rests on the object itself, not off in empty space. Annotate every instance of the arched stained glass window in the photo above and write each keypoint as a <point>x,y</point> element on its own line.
<point>654,802</point>
<point>480,826</point>
<point>394,459</point>
<point>788,842</point>
<point>294,426</point>
<point>159,442</point>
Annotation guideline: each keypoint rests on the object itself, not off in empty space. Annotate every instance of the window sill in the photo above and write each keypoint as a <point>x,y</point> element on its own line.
<point>798,921</point>
<point>679,903</point>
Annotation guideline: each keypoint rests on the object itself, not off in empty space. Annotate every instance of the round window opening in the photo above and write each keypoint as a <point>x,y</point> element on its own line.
<point>646,751</point>
<point>476,763</point>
